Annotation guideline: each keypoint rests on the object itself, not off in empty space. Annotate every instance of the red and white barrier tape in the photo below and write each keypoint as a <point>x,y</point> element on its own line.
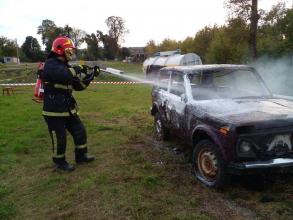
<point>107,83</point>
<point>18,84</point>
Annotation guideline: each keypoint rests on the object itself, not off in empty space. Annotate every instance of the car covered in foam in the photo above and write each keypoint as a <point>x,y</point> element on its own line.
<point>229,117</point>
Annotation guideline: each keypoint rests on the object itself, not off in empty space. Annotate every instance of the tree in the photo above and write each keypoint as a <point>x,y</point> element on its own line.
<point>124,52</point>
<point>220,50</point>
<point>239,9</point>
<point>67,30</point>
<point>45,28</point>
<point>286,26</point>
<point>49,31</point>
<point>272,17</point>
<point>151,47</point>
<point>117,31</point>
<point>253,29</point>
<point>111,47</point>
<point>32,49</point>
<point>230,43</point>
<point>248,11</point>
<point>77,36</point>
<point>7,47</point>
<point>271,41</point>
<point>187,46</point>
<point>203,39</point>
<point>168,44</point>
<point>93,49</point>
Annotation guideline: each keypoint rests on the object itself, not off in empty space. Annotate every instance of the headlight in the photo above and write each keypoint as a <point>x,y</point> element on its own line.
<point>245,149</point>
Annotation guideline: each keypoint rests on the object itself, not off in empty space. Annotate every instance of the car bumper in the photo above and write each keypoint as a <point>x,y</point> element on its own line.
<point>278,165</point>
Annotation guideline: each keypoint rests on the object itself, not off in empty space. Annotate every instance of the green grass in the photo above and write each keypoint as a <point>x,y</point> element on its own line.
<point>132,177</point>
<point>25,72</point>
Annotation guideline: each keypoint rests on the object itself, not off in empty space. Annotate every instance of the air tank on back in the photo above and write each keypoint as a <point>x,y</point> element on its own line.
<point>169,58</point>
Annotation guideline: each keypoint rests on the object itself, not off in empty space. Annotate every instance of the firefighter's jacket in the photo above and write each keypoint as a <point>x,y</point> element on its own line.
<point>59,80</point>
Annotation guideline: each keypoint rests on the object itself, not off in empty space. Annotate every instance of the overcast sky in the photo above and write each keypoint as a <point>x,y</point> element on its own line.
<point>145,19</point>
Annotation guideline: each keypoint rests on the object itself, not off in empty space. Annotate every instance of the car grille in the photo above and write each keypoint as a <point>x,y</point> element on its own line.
<point>274,145</point>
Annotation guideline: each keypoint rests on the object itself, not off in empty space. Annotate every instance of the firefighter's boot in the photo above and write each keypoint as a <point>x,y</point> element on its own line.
<point>81,156</point>
<point>63,165</point>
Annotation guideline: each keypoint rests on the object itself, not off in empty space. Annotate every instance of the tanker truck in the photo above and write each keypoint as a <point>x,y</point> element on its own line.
<point>169,58</point>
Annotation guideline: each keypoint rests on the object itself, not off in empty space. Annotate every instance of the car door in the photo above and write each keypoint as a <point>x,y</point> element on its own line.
<point>162,85</point>
<point>175,106</point>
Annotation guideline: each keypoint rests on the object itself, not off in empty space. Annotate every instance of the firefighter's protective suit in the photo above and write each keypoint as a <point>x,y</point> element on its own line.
<point>60,108</point>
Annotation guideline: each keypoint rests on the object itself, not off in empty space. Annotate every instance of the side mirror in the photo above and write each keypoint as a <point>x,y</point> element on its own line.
<point>183,98</point>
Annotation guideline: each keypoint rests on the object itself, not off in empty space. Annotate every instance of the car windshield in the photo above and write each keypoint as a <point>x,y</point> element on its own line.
<point>223,84</point>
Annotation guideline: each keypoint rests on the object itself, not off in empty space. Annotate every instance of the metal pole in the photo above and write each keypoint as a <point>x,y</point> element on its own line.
<point>17,50</point>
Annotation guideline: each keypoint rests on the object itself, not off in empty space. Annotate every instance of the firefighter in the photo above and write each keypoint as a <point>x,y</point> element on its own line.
<point>60,108</point>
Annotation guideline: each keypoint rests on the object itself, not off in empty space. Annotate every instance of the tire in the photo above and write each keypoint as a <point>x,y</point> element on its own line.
<point>161,131</point>
<point>208,165</point>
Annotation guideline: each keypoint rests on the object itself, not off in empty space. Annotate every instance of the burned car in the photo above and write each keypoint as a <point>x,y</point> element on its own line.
<point>229,117</point>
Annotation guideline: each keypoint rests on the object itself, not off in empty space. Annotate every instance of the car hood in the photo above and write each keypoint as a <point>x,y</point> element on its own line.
<point>238,111</point>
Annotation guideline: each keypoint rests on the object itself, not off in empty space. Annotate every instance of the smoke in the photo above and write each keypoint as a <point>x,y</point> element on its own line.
<point>277,74</point>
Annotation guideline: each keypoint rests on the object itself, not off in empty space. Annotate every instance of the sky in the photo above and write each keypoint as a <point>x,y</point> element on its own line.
<point>145,19</point>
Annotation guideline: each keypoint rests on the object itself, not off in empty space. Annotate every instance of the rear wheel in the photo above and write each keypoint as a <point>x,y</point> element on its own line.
<point>208,165</point>
<point>161,131</point>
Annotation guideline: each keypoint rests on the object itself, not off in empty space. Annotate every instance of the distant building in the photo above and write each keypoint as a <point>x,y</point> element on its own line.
<point>137,54</point>
<point>10,60</point>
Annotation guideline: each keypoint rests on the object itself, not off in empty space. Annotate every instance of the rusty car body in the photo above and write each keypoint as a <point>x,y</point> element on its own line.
<point>229,117</point>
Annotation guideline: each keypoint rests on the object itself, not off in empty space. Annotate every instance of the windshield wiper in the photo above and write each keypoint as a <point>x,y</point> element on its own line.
<point>251,97</point>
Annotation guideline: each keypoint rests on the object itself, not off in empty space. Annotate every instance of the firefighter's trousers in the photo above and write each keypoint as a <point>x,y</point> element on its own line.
<point>57,128</point>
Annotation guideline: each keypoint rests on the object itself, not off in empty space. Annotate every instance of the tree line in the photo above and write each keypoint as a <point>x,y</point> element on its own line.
<point>248,33</point>
<point>99,45</point>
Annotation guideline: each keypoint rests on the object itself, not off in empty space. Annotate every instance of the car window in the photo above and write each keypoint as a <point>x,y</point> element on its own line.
<point>223,79</point>
<point>241,82</point>
<point>247,81</point>
<point>228,83</point>
<point>177,84</point>
<point>194,79</point>
<point>163,80</point>
<point>203,87</point>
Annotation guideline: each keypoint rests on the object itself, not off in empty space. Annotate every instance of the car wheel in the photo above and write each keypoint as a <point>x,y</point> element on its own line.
<point>161,132</point>
<point>208,165</point>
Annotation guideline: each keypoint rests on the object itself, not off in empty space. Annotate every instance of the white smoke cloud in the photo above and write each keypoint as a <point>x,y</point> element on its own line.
<point>277,73</point>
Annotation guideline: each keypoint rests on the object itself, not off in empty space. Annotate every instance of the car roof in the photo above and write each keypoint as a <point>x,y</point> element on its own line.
<point>212,67</point>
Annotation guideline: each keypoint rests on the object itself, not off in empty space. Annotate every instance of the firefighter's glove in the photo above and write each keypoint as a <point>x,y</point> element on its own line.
<point>85,68</point>
<point>80,69</point>
<point>96,70</point>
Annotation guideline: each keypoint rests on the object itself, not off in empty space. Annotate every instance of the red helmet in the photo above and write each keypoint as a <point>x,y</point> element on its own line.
<point>60,44</point>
